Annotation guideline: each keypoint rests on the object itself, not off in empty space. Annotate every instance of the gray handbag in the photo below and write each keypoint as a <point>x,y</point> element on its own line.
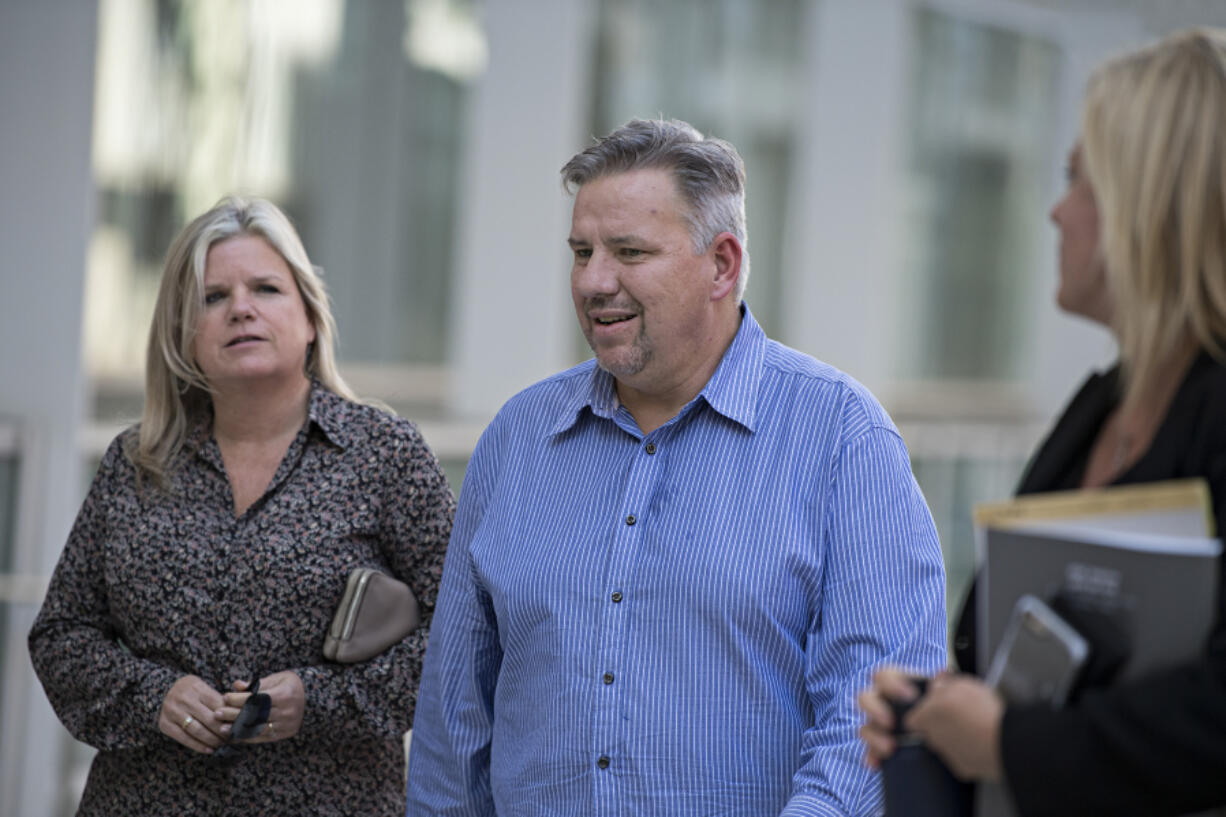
<point>375,613</point>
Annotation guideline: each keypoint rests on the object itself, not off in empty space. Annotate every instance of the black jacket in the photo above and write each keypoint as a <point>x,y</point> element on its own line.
<point>1155,746</point>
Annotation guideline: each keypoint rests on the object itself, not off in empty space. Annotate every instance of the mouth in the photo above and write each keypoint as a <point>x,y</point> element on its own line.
<point>610,321</point>
<point>243,339</point>
<point>606,316</point>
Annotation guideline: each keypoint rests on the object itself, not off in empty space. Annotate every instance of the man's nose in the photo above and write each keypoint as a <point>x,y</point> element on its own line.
<point>599,276</point>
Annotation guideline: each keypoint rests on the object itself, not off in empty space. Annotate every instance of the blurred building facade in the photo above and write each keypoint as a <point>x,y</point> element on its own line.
<point>902,156</point>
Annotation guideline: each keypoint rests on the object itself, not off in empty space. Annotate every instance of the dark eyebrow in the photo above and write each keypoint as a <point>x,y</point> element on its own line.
<point>623,240</point>
<point>616,241</point>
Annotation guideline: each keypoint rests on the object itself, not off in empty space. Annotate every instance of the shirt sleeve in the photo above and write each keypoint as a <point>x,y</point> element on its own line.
<point>378,696</point>
<point>883,601</point>
<point>104,695</point>
<point>449,763</point>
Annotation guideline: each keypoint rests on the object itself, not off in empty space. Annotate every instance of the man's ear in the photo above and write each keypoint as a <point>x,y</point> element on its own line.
<point>726,253</point>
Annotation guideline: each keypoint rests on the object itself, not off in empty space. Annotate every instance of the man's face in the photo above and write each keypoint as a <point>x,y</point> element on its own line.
<point>644,299</point>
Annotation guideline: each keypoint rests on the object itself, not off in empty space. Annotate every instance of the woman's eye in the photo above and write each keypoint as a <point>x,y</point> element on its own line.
<point>268,288</point>
<point>212,297</point>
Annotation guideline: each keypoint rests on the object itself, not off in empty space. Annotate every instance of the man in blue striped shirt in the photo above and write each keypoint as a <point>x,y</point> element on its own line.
<point>673,566</point>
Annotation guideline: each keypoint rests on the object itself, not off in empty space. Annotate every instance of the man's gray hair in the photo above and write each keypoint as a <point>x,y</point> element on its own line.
<point>708,172</point>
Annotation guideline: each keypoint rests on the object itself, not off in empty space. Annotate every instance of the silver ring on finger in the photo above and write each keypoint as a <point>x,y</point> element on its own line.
<point>187,722</point>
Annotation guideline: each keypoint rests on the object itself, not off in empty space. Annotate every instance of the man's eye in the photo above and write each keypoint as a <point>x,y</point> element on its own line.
<point>583,254</point>
<point>630,252</point>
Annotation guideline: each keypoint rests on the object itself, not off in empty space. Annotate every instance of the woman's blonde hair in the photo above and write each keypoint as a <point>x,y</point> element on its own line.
<point>176,391</point>
<point>1154,144</point>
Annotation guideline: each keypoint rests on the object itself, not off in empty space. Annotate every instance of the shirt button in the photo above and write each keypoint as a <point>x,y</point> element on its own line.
<point>630,520</point>
<point>617,596</point>
<point>602,762</point>
<point>607,677</point>
<point>650,448</point>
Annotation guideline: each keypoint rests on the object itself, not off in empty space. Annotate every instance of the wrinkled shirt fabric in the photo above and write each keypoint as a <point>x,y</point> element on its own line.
<point>676,623</point>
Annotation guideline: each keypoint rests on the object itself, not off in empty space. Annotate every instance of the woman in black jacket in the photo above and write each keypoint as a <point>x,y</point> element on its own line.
<point>1142,251</point>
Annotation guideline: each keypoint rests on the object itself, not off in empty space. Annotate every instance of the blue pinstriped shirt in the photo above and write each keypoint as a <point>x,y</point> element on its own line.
<point>676,623</point>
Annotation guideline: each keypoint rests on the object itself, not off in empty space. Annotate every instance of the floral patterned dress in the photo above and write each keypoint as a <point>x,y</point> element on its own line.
<point>155,584</point>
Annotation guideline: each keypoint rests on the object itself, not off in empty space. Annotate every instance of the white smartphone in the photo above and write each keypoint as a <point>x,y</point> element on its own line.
<point>1039,657</point>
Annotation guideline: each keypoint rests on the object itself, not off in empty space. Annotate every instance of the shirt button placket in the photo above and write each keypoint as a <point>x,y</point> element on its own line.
<point>644,475</point>
<point>241,578</point>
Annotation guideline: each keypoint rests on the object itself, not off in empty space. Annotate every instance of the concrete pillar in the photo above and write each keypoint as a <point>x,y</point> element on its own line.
<point>838,239</point>
<point>46,211</point>
<point>512,321</point>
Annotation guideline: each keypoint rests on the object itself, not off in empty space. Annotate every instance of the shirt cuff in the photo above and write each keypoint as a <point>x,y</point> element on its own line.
<point>318,700</point>
<point>154,688</point>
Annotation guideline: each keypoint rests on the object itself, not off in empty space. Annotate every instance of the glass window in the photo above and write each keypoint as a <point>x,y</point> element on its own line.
<point>982,111</point>
<point>975,180</point>
<point>345,114</point>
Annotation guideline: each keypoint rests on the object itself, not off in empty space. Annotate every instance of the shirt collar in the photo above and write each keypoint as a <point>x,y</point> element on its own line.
<point>328,412</point>
<point>732,390</point>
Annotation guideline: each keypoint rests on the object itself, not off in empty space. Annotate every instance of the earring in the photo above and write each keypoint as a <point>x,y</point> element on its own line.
<point>310,355</point>
<point>183,386</point>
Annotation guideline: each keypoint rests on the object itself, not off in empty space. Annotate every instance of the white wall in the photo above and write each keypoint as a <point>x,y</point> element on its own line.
<point>46,95</point>
<point>512,322</point>
<point>842,209</point>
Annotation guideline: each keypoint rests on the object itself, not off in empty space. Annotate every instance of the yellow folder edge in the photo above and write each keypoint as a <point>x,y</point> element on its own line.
<point>1169,495</point>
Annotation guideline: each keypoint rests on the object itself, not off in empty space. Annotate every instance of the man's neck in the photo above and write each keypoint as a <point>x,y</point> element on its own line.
<point>652,409</point>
